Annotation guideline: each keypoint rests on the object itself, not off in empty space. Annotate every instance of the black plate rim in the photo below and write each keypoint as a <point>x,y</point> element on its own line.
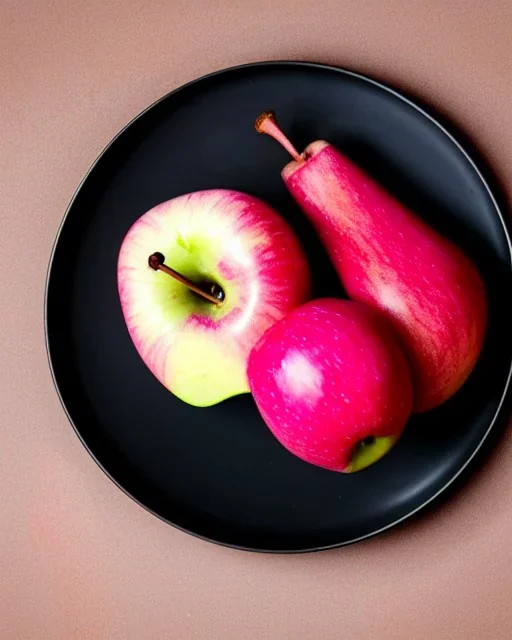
<point>233,69</point>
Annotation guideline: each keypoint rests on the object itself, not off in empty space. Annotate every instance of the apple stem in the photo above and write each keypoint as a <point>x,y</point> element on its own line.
<point>215,295</point>
<point>267,123</point>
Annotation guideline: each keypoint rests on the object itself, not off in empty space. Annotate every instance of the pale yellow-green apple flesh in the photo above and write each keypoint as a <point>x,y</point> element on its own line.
<point>196,349</point>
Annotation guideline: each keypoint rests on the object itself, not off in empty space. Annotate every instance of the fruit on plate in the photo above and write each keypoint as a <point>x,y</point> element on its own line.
<point>332,383</point>
<point>389,258</point>
<point>200,279</point>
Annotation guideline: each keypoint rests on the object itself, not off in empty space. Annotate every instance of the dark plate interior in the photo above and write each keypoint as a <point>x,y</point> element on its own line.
<point>218,472</point>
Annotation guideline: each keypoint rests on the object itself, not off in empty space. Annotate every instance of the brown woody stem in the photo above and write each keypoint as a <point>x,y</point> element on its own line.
<point>267,123</point>
<point>215,294</point>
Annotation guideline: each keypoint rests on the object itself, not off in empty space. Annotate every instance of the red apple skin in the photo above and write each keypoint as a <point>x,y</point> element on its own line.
<point>327,376</point>
<point>198,350</point>
<point>390,259</point>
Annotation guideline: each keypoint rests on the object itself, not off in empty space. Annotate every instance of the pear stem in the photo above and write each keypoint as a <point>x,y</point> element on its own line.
<point>215,295</point>
<point>267,123</point>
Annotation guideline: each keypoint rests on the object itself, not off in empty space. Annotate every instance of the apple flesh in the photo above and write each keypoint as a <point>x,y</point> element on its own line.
<point>224,241</point>
<point>333,384</point>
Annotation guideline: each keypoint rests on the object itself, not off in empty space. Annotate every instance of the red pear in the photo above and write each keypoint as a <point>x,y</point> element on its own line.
<point>389,258</point>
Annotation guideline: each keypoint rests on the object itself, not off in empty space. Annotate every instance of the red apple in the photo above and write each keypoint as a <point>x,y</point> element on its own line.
<point>236,268</point>
<point>332,383</point>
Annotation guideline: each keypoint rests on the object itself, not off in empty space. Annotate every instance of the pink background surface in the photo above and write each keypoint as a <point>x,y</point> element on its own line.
<point>78,558</point>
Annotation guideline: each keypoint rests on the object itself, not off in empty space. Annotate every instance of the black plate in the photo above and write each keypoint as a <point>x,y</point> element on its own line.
<point>218,472</point>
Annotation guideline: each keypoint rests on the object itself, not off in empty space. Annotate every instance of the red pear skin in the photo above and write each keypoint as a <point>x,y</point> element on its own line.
<point>389,258</point>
